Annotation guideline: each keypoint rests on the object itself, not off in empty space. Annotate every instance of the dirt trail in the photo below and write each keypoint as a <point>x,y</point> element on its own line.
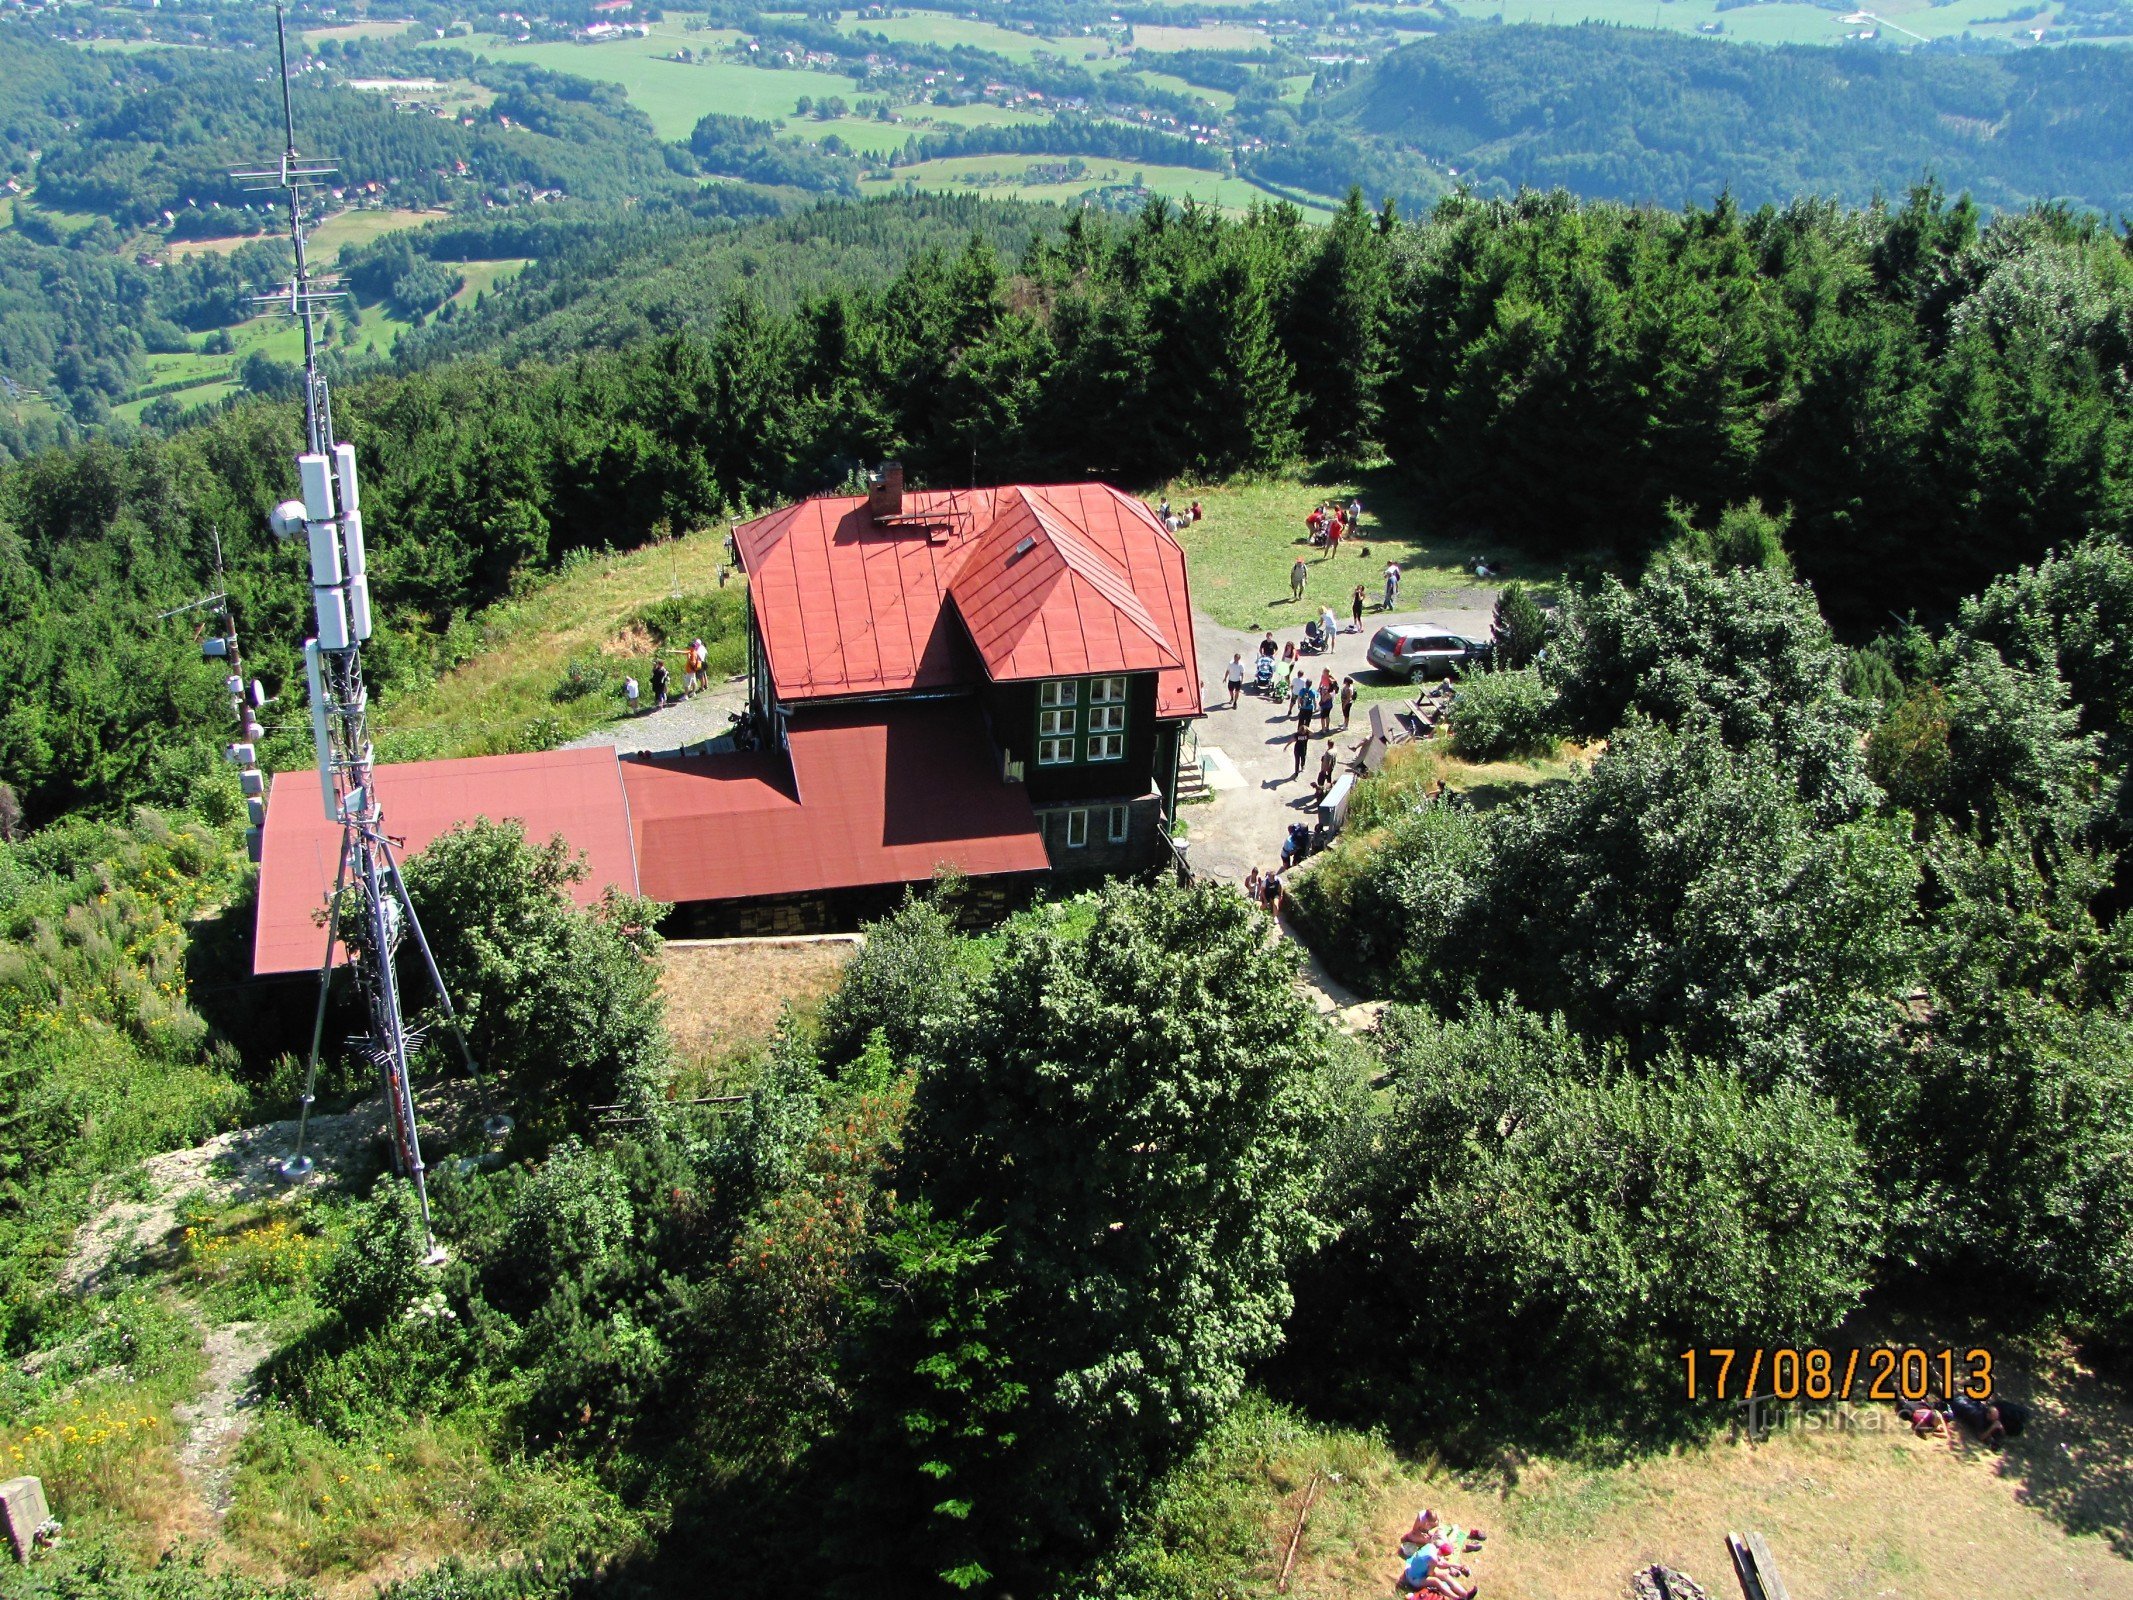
<point>217,1419</point>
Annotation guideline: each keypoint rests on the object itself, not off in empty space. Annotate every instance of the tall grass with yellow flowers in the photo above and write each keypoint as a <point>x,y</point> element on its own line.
<point>251,1262</point>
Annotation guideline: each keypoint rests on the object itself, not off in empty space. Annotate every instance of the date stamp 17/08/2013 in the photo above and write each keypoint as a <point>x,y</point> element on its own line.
<point>1879,1372</point>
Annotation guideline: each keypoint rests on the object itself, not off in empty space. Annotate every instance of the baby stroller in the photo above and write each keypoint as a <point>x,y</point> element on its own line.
<point>1315,640</point>
<point>1263,674</point>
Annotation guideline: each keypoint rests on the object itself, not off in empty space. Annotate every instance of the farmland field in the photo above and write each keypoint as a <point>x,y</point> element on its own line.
<point>675,94</point>
<point>384,28</point>
<point>933,27</point>
<point>1222,36</point>
<point>1008,177</point>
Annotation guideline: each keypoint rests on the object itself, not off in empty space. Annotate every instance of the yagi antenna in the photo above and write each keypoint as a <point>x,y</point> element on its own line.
<point>369,910</point>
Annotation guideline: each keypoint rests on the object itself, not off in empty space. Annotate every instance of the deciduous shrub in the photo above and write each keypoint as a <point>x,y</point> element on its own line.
<point>1503,714</point>
<point>1594,1218</point>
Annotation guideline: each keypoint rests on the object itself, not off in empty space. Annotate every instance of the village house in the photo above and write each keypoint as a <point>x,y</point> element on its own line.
<point>996,682</point>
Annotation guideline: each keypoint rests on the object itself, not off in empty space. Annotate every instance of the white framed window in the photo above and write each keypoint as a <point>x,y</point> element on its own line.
<point>1107,691</point>
<point>1107,747</point>
<point>1054,724</point>
<point>1058,692</point>
<point>1119,818</point>
<point>1054,752</point>
<point>1077,829</point>
<point>1107,719</point>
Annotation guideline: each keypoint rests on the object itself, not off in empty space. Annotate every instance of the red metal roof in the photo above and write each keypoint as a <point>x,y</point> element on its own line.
<point>1042,600</point>
<point>847,607</point>
<point>575,793</point>
<point>873,795</point>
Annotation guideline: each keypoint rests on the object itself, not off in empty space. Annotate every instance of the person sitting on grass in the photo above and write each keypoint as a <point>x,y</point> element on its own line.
<point>1430,1570</point>
<point>1426,1526</point>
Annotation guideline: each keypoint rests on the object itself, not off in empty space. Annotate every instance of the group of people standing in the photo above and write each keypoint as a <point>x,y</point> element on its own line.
<point>695,676</point>
<point>1328,525</point>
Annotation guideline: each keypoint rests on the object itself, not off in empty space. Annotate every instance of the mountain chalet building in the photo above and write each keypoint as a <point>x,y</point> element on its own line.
<point>996,681</point>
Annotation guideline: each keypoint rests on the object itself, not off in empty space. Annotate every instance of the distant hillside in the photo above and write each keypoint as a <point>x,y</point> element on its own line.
<point>600,291</point>
<point>1630,115</point>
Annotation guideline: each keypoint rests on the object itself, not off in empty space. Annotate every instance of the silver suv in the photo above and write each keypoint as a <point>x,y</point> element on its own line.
<point>1416,651</point>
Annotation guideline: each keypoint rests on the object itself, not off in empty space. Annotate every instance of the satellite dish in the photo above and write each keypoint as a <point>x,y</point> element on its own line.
<point>287,519</point>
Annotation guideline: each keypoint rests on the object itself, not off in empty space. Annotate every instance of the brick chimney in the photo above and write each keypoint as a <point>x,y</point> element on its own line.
<point>885,491</point>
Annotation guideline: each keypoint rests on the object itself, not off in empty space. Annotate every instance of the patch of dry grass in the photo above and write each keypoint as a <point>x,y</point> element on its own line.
<point>1848,1515</point>
<point>724,996</point>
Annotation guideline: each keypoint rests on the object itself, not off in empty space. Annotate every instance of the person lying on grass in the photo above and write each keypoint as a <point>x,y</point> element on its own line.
<point>1925,1420</point>
<point>1430,1570</point>
<point>1990,1422</point>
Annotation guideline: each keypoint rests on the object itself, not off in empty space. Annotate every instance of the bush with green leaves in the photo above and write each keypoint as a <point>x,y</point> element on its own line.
<point>376,1271</point>
<point>1519,629</point>
<point>1745,649</point>
<point>1678,894</point>
<point>1979,737</point>
<point>560,1001</point>
<point>1592,1219</point>
<point>1503,714</point>
<point>1131,1110</point>
<point>907,981</point>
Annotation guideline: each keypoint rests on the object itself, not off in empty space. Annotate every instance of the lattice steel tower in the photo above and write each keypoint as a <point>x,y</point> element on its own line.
<point>370,911</point>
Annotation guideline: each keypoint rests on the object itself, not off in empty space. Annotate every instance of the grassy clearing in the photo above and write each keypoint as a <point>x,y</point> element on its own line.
<point>358,226</point>
<point>931,27</point>
<point>513,689</point>
<point>91,1417</point>
<point>1218,36</point>
<point>384,28</point>
<point>1414,770</point>
<point>1253,532</point>
<point>974,116</point>
<point>1862,1509</point>
<point>675,94</point>
<point>1221,99</point>
<point>725,998</point>
<point>309,1505</point>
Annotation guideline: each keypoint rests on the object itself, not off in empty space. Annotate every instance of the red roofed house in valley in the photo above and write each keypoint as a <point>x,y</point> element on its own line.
<point>995,681</point>
<point>1059,614</point>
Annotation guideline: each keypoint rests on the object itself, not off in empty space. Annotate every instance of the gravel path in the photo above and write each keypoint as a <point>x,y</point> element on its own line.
<point>1256,794</point>
<point>699,725</point>
<point>1246,821</point>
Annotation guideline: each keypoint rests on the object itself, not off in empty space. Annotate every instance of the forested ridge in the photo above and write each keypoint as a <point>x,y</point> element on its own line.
<point>1645,116</point>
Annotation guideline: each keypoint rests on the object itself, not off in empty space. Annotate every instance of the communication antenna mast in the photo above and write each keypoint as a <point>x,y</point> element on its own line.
<point>370,910</point>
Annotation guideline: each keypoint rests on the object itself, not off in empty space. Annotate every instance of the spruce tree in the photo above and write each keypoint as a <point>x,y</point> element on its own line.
<point>1337,333</point>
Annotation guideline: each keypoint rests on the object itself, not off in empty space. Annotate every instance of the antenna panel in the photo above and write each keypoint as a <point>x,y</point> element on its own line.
<point>316,475</point>
<point>316,682</point>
